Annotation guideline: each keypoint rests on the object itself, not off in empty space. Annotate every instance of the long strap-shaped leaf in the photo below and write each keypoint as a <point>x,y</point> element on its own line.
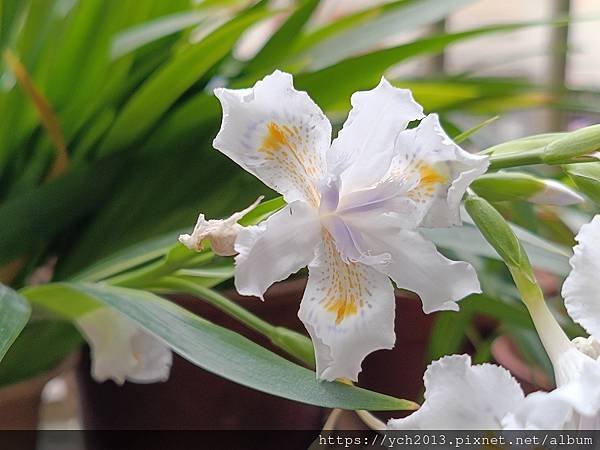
<point>159,247</point>
<point>358,32</point>
<point>363,71</point>
<point>30,220</point>
<point>232,356</point>
<point>166,85</point>
<point>14,314</point>
<point>277,47</point>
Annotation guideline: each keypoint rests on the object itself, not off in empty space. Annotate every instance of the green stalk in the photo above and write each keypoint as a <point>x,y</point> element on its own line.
<point>498,233</point>
<point>531,157</point>
<point>293,343</point>
<point>525,158</point>
<point>150,273</point>
<point>553,337</point>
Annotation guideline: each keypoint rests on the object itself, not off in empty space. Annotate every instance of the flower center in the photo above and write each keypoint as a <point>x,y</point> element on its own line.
<point>337,221</point>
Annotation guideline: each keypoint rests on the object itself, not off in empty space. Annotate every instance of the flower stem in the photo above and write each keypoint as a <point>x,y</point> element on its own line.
<point>525,158</point>
<point>370,420</point>
<point>531,157</point>
<point>221,302</point>
<point>293,343</point>
<point>553,337</point>
<point>500,235</point>
<point>331,421</point>
<point>150,273</point>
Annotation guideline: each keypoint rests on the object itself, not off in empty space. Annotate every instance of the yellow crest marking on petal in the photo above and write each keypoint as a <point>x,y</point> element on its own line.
<point>277,138</point>
<point>429,176</point>
<point>342,307</point>
<point>285,146</point>
<point>345,293</point>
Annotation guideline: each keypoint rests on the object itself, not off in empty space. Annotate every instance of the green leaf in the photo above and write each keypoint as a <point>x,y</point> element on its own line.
<point>220,267</point>
<point>506,312</point>
<point>14,314</point>
<point>471,131</point>
<point>166,245</point>
<point>31,220</point>
<point>262,211</point>
<point>133,38</point>
<point>587,178</point>
<point>77,41</point>
<point>208,276</point>
<point>165,86</point>
<point>41,346</point>
<point>140,207</point>
<point>531,348</point>
<point>448,333</point>
<point>483,351</point>
<point>63,302</point>
<point>93,134</point>
<point>331,29</point>
<point>364,71</point>
<point>277,47</point>
<point>451,328</point>
<point>545,255</point>
<point>232,356</point>
<point>80,66</point>
<point>108,81</point>
<point>128,258</point>
<point>10,12</point>
<point>365,29</point>
<point>182,125</point>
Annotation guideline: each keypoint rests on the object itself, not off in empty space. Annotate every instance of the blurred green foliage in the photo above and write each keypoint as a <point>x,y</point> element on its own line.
<point>130,86</point>
<point>127,86</point>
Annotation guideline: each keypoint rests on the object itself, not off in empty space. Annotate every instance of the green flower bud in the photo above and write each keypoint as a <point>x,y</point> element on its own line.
<point>502,186</point>
<point>587,178</point>
<point>498,233</point>
<point>523,144</point>
<point>578,143</point>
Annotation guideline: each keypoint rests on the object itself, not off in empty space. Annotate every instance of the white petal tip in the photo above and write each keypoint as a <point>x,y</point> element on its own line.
<point>276,80</point>
<point>251,293</point>
<point>186,239</point>
<point>446,306</point>
<point>384,82</point>
<point>221,93</point>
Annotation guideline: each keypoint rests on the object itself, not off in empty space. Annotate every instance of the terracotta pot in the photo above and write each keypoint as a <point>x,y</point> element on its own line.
<point>20,402</point>
<point>531,378</point>
<point>20,406</point>
<point>193,398</point>
<point>196,399</point>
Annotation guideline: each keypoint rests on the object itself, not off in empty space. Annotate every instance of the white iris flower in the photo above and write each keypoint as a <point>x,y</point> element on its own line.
<point>121,350</point>
<point>353,210</point>
<point>461,396</point>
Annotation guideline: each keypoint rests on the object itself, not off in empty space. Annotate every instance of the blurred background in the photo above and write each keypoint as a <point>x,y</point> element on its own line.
<point>107,114</point>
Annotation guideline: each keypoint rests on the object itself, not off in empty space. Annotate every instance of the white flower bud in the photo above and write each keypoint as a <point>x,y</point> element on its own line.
<point>221,233</point>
